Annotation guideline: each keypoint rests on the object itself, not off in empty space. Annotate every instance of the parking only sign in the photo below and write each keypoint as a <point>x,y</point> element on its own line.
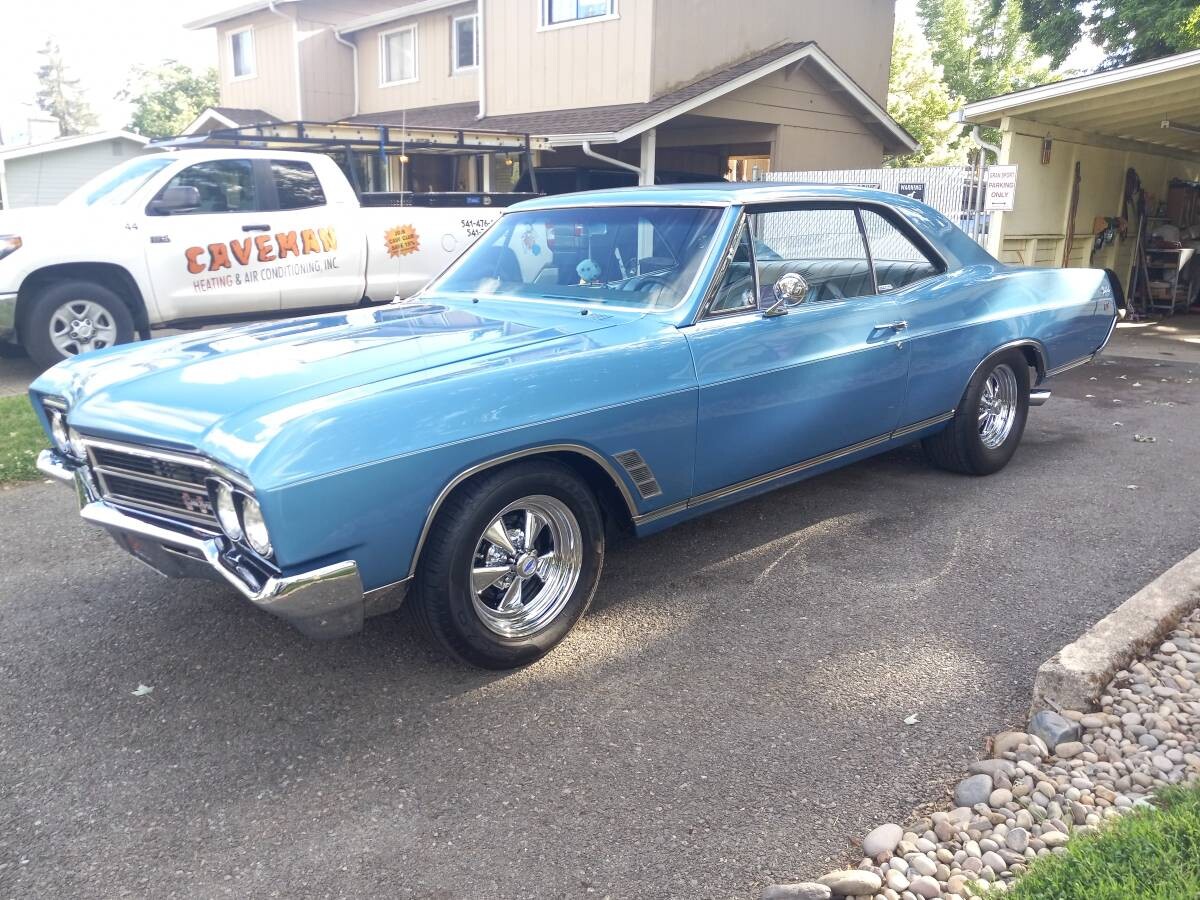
<point>913,189</point>
<point>1001,190</point>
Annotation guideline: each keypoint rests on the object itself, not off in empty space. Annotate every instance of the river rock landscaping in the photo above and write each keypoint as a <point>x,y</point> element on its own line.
<point>1066,775</point>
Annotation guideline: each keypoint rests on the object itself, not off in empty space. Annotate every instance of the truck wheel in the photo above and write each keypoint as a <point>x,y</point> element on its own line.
<point>71,317</point>
<point>510,565</point>
<point>985,431</point>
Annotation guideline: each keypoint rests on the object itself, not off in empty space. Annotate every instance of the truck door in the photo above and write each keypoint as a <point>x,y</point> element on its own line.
<point>320,245</point>
<point>208,260</point>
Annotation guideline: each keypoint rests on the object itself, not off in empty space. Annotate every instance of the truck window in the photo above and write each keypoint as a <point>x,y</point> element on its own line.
<point>225,185</point>
<point>296,184</point>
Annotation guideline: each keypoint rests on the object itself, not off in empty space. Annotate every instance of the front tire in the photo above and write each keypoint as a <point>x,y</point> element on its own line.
<point>71,317</point>
<point>989,422</point>
<point>511,563</point>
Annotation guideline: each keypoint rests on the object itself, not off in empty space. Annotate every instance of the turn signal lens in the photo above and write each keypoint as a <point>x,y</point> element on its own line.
<point>58,430</point>
<point>254,527</point>
<point>227,514</point>
<point>78,450</point>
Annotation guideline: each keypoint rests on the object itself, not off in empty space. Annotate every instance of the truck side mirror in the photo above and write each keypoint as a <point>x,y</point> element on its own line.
<point>182,198</point>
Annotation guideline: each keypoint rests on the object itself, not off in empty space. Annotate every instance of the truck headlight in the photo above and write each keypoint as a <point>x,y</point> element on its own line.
<point>8,244</point>
<point>227,514</point>
<point>254,527</point>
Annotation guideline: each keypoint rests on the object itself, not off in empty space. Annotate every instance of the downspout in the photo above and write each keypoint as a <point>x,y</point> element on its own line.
<point>354,51</point>
<point>586,147</point>
<point>295,56</point>
<point>480,44</point>
<point>984,146</point>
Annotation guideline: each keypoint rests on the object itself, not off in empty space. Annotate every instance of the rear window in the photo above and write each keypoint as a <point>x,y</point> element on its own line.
<point>296,184</point>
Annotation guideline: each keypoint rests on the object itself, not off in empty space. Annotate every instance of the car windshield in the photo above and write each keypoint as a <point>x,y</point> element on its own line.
<point>642,256</point>
<point>115,186</point>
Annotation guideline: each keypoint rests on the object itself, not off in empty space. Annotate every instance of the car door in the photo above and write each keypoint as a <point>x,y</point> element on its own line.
<point>318,243</point>
<point>203,260</point>
<point>826,378</point>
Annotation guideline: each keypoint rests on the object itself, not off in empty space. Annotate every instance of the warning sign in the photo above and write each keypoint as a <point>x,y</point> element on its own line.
<point>1001,191</point>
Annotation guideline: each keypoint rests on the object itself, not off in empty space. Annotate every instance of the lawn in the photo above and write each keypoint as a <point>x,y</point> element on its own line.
<point>21,438</point>
<point>1152,854</point>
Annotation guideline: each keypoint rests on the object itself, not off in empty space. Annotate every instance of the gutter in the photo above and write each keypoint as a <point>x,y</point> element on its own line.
<point>480,43</point>
<point>295,55</point>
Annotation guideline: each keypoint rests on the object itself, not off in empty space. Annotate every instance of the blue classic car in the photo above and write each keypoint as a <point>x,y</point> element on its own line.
<point>624,359</point>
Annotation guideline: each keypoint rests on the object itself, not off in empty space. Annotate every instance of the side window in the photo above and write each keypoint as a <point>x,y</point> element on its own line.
<point>898,261</point>
<point>736,292</point>
<point>224,185</point>
<point>296,185</point>
<point>825,245</point>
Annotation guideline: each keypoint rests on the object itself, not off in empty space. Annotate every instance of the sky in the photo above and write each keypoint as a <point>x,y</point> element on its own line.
<point>103,43</point>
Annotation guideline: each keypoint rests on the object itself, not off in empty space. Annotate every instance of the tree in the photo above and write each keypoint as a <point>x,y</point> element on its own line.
<point>60,95</point>
<point>1128,31</point>
<point>981,47</point>
<point>919,100</point>
<point>165,99</point>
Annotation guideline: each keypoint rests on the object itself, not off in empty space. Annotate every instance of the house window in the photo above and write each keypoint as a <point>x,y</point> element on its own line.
<point>399,55</point>
<point>465,51</point>
<point>565,12</point>
<point>241,50</point>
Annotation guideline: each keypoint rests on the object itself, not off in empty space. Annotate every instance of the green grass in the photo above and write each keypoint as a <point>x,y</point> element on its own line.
<point>21,439</point>
<point>1151,854</point>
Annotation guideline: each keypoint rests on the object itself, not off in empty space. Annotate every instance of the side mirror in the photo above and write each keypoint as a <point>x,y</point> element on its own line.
<point>790,290</point>
<point>176,200</point>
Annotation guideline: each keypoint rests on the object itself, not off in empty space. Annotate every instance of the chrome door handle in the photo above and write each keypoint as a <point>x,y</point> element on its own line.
<point>892,326</point>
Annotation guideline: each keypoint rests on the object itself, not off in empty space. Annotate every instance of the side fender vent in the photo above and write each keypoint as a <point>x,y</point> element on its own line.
<point>633,463</point>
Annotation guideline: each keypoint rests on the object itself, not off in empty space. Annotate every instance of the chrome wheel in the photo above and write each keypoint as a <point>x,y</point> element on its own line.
<point>526,565</point>
<point>998,406</point>
<point>81,325</point>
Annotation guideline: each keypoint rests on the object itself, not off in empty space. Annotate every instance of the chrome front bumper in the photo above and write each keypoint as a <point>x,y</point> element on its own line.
<point>323,603</point>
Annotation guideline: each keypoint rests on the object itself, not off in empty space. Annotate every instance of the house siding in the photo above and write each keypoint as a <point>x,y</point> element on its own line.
<point>273,86</point>
<point>690,41</point>
<point>44,179</point>
<point>590,64</point>
<point>436,82</point>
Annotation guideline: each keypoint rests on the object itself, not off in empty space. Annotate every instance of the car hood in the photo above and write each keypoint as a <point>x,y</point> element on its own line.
<point>227,393</point>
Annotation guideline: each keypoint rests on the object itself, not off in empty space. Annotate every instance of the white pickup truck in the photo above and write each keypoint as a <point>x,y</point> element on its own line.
<point>183,238</point>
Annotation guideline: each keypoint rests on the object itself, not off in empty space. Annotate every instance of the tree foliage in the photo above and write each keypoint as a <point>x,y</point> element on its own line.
<point>1128,31</point>
<point>60,95</point>
<point>167,98</point>
<point>920,101</point>
<point>981,46</point>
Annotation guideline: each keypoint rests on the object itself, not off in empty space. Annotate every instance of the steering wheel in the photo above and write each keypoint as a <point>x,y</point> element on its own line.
<point>641,282</point>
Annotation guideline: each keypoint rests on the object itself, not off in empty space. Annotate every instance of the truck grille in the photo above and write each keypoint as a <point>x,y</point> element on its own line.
<point>164,484</point>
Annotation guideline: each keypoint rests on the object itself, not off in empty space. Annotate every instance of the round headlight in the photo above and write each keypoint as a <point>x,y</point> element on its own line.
<point>78,450</point>
<point>58,430</point>
<point>254,527</point>
<point>227,514</point>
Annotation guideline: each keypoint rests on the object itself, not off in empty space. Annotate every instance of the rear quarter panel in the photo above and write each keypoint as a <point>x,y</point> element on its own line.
<point>957,321</point>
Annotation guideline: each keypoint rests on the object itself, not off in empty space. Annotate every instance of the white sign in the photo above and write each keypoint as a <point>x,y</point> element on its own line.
<point>1001,190</point>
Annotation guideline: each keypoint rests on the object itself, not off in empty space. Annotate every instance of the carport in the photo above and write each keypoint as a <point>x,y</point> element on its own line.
<point>1074,143</point>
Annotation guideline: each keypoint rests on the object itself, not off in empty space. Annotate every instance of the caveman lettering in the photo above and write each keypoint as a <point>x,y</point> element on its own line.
<point>263,248</point>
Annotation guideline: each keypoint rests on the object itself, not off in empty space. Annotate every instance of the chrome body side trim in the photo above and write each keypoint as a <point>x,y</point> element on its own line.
<point>1012,345</point>
<point>462,476</point>
<point>1074,364</point>
<point>795,469</point>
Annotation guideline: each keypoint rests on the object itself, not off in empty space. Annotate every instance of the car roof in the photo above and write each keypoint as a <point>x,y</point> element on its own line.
<point>720,193</point>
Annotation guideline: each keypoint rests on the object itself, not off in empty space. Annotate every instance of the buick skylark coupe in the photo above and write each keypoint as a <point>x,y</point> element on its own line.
<point>625,359</point>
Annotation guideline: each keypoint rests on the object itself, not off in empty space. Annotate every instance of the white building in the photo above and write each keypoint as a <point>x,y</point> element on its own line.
<point>42,174</point>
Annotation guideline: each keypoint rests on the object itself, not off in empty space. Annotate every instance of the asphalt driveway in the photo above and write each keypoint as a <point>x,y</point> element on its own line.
<point>730,711</point>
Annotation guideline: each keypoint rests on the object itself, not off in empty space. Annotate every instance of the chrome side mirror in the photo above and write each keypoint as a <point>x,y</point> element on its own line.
<point>790,290</point>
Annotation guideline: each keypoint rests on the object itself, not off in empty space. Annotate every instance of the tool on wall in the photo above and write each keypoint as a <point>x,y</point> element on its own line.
<point>1069,243</point>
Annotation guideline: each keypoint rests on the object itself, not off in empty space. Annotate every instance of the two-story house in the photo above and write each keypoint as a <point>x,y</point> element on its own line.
<point>695,86</point>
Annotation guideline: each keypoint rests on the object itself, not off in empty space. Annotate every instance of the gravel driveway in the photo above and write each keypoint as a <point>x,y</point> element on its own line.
<point>727,715</point>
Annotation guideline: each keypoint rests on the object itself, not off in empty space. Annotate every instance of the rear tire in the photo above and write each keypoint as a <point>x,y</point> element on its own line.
<point>989,421</point>
<point>71,317</point>
<point>487,592</point>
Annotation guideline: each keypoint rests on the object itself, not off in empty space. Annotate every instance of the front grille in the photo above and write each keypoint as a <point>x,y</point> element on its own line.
<point>166,485</point>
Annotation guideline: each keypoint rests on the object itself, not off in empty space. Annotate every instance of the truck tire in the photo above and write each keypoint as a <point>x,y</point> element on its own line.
<point>67,318</point>
<point>511,564</point>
